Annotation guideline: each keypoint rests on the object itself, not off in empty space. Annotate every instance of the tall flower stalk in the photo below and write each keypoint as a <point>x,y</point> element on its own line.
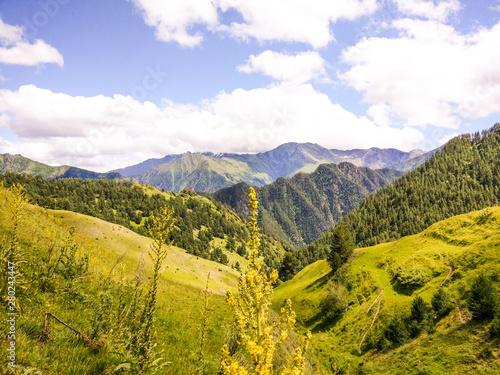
<point>258,335</point>
<point>159,229</point>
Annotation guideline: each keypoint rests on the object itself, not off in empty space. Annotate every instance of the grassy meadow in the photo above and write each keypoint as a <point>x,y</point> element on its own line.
<point>448,255</point>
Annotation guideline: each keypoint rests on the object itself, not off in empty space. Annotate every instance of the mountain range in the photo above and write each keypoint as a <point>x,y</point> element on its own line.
<point>210,172</point>
<point>423,299</point>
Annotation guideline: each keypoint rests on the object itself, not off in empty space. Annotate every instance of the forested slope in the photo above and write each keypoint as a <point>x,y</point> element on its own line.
<point>463,176</point>
<point>203,227</point>
<point>299,209</point>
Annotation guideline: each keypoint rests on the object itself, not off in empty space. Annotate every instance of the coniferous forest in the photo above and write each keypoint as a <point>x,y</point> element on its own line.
<point>463,176</point>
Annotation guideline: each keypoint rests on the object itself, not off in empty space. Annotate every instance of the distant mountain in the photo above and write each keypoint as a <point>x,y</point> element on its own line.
<point>376,158</point>
<point>174,172</point>
<point>201,173</point>
<point>299,209</point>
<point>411,164</point>
<point>138,169</point>
<point>20,164</point>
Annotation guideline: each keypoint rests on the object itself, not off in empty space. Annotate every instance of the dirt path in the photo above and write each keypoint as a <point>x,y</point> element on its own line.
<point>460,316</point>
<point>450,268</point>
<point>371,325</point>
<point>375,300</point>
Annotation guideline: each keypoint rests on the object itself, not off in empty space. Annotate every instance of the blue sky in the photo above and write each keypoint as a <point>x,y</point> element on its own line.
<point>105,84</point>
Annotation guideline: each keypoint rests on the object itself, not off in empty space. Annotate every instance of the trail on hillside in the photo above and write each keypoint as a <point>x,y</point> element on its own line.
<point>460,316</point>
<point>375,300</point>
<point>450,268</point>
<point>373,321</point>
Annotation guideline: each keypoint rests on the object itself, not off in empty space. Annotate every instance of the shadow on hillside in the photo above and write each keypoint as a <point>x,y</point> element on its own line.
<point>321,323</point>
<point>320,282</point>
<point>404,289</point>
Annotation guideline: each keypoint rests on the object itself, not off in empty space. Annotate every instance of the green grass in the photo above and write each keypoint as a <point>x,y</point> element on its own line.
<point>114,254</point>
<point>413,266</point>
<point>118,241</point>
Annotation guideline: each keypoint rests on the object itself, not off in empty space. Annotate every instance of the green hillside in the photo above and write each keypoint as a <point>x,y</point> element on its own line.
<point>379,286</point>
<point>88,280</point>
<point>20,164</point>
<point>203,227</point>
<point>298,210</point>
<point>463,176</point>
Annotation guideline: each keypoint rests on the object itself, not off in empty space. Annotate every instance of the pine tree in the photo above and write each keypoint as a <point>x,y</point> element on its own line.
<point>483,300</point>
<point>341,247</point>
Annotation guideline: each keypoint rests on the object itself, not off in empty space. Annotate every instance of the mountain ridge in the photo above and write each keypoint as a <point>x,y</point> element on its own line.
<point>298,209</point>
<point>20,164</point>
<point>257,169</point>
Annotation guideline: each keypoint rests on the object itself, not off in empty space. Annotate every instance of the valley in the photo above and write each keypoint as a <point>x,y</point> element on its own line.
<point>82,249</point>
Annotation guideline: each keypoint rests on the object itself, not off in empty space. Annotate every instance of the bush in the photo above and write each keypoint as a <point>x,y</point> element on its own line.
<point>441,303</point>
<point>483,298</point>
<point>495,326</point>
<point>335,301</point>
<point>419,317</point>
<point>397,332</point>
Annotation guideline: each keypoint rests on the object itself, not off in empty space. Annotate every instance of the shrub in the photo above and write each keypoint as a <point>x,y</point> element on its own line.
<point>419,317</point>
<point>335,301</point>
<point>397,332</point>
<point>441,303</point>
<point>483,298</point>
<point>495,326</point>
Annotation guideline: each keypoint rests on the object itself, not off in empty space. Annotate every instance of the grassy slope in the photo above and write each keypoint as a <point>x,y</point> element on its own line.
<point>470,242</point>
<point>180,300</point>
<point>180,266</point>
<point>20,164</point>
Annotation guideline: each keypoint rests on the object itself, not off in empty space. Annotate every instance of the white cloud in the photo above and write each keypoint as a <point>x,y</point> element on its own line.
<point>430,74</point>
<point>293,20</point>
<point>10,34</point>
<point>380,113</point>
<point>306,21</point>
<point>428,9</point>
<point>102,133</point>
<point>172,19</point>
<point>15,50</point>
<point>300,68</point>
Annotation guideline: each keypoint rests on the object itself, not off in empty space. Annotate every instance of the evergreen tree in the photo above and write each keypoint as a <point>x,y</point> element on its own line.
<point>341,247</point>
<point>440,303</point>
<point>419,317</point>
<point>483,298</point>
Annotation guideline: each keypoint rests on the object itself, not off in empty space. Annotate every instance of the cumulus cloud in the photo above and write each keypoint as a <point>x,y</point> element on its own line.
<point>172,19</point>
<point>263,20</point>
<point>430,74</point>
<point>17,51</point>
<point>300,68</point>
<point>278,20</point>
<point>103,133</point>
<point>428,8</point>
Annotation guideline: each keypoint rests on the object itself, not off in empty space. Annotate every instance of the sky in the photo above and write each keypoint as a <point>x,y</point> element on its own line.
<point>106,84</point>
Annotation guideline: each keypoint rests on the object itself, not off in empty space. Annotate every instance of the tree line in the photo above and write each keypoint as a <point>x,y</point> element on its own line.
<point>199,220</point>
